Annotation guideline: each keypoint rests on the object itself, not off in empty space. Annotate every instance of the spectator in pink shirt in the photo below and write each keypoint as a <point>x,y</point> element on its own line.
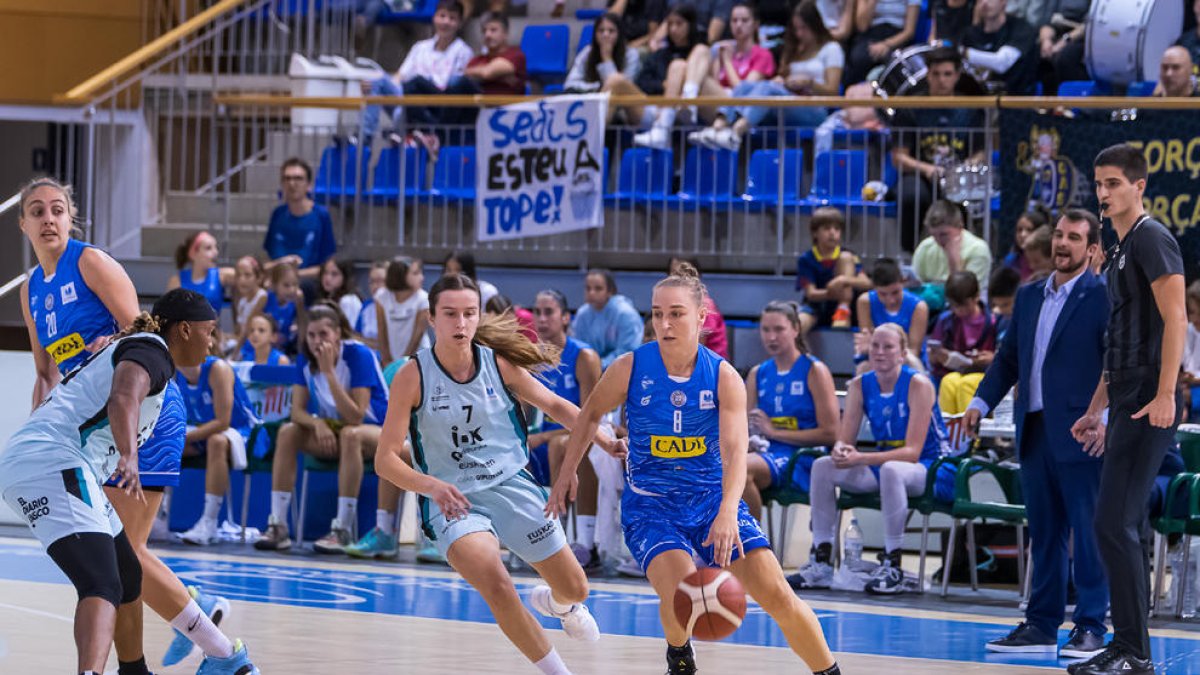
<point>712,332</point>
<point>741,59</point>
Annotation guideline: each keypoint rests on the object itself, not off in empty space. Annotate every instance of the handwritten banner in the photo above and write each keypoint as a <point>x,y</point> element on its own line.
<point>539,167</point>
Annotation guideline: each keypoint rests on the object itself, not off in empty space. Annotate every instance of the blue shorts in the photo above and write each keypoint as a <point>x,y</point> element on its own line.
<point>653,525</point>
<point>159,457</point>
<point>539,463</point>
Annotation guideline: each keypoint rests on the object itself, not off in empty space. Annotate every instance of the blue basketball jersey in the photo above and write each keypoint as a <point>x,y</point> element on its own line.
<point>199,399</point>
<point>785,397</point>
<point>284,315</point>
<point>888,416</point>
<point>66,313</point>
<point>159,457</point>
<point>674,430</point>
<point>247,354</point>
<point>903,317</point>
<point>209,287</point>
<point>562,380</point>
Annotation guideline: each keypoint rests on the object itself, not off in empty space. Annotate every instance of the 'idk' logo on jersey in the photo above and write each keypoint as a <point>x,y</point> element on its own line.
<point>675,447</point>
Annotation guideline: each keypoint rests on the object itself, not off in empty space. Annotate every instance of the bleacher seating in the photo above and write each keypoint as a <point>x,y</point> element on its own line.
<point>709,179</point>
<point>1082,88</point>
<point>385,187</point>
<point>546,49</point>
<point>453,175</point>
<point>762,179</point>
<point>340,172</point>
<point>422,12</point>
<point>585,37</point>
<point>1139,89</point>
<point>643,176</point>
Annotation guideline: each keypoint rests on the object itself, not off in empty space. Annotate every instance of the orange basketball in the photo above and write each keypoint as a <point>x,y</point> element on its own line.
<point>710,603</point>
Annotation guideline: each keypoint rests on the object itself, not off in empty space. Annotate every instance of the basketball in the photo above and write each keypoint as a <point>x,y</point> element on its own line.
<point>710,603</point>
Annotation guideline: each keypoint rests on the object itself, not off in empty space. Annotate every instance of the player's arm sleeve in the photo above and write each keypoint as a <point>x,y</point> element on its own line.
<point>151,355</point>
<point>1161,256</point>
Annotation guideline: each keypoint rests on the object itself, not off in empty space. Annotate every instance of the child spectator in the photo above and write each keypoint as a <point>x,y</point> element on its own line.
<point>606,56</point>
<point>463,262</point>
<point>259,348</point>
<point>285,303</point>
<point>196,262</point>
<point>712,333</point>
<point>1026,224</point>
<point>1002,294</point>
<point>300,231</point>
<point>1039,253</point>
<point>827,275</point>
<point>500,304</point>
<point>220,418</point>
<point>962,344</point>
<point>890,302</point>
<point>368,325</point>
<point>337,285</point>
<point>249,296</point>
<point>402,310</point>
<point>500,67</point>
<point>607,322</point>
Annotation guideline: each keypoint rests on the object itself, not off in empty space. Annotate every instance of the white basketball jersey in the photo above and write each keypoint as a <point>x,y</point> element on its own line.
<point>71,428</point>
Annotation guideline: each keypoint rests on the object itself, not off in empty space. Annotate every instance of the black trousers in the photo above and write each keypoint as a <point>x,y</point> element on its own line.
<point>1134,450</point>
<point>858,59</point>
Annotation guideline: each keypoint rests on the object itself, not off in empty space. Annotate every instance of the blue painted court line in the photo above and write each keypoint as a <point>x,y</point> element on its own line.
<point>618,613</point>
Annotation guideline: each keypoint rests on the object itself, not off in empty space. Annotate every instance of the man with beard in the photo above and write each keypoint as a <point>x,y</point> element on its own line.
<point>1052,352</point>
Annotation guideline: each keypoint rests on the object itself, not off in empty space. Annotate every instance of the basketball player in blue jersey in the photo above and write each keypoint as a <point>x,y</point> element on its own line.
<point>901,407</point>
<point>792,403</point>
<point>73,302</point>
<point>687,418</point>
<point>460,402</point>
<point>87,429</point>
<point>577,372</point>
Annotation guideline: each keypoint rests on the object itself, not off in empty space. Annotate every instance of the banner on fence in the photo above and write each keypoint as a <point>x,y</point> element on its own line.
<point>1048,160</point>
<point>539,167</point>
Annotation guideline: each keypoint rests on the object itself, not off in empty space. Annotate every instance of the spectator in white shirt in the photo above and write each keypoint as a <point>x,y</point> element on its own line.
<point>430,68</point>
<point>607,55</point>
<point>1191,346</point>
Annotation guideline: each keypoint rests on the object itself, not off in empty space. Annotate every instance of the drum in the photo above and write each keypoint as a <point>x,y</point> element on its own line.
<point>965,182</point>
<point>904,75</point>
<point>1126,38</point>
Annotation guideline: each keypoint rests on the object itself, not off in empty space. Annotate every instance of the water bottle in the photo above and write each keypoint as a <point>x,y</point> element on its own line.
<point>852,545</point>
<point>1191,594</point>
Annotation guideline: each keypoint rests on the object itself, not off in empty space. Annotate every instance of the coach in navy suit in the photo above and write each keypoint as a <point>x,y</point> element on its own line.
<point>1053,353</point>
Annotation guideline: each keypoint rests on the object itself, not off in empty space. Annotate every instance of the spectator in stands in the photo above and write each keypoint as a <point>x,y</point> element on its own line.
<point>196,262</point>
<point>810,64</point>
<point>1002,293</point>
<point>1190,40</point>
<point>1061,43</point>
<point>1175,74</point>
<point>951,19</point>
<point>890,302</point>
<point>1039,253</point>
<point>827,275</point>
<point>792,403</point>
<point>1003,46</point>
<point>500,68</point>
<point>928,142</point>
<point>249,296</point>
<point>1190,375</point>
<point>710,18</point>
<point>838,17</point>
<point>676,69</point>
<point>368,324</point>
<point>338,286</point>
<point>219,421</point>
<point>336,415</point>
<point>741,59</point>
<point>300,231</point>
<point>909,439</point>
<point>463,262</point>
<point>712,333</point>
<point>499,304</point>
<point>285,303</point>
<point>950,248</point>
<point>1029,221</point>
<point>882,26</point>
<point>962,343</point>
<point>402,310</point>
<point>261,334</point>
<point>639,19</point>
<point>433,66</point>
<point>608,322</point>
<point>606,56</point>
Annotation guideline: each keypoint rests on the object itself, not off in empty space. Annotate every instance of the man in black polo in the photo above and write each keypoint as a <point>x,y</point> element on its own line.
<point>1146,333</point>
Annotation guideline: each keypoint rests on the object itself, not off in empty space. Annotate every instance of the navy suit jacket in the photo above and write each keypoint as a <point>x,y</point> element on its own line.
<point>1072,368</point>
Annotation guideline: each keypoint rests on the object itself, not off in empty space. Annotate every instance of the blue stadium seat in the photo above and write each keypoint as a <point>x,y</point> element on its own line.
<point>385,188</point>
<point>1139,89</point>
<point>545,49</point>
<point>552,89</point>
<point>589,14</point>
<point>422,12</point>
<point>585,37</point>
<point>838,178</point>
<point>454,175</point>
<point>1081,88</point>
<point>762,179</point>
<point>709,179</point>
<point>341,172</point>
<point>643,176</point>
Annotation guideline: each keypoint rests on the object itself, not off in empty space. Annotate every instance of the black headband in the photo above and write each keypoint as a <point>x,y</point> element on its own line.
<point>182,304</point>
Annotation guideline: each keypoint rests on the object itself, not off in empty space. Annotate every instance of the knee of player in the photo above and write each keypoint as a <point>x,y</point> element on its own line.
<point>574,590</point>
<point>349,434</point>
<point>217,444</point>
<point>288,438</point>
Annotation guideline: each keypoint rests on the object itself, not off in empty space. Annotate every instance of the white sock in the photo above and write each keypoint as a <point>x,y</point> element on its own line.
<point>197,627</point>
<point>280,503</point>
<point>386,521</point>
<point>212,507</point>
<point>164,508</point>
<point>666,118</point>
<point>690,90</point>
<point>585,531</point>
<point>347,513</point>
<point>559,609</point>
<point>552,664</point>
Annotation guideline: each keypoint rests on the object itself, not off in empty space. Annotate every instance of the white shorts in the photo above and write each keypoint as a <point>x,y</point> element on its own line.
<point>237,446</point>
<point>63,503</point>
<point>514,511</point>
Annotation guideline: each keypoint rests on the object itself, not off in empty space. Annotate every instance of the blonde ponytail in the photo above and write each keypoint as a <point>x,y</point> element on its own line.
<point>504,335</point>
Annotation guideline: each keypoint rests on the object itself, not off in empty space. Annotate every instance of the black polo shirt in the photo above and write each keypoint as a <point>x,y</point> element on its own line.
<point>1135,329</point>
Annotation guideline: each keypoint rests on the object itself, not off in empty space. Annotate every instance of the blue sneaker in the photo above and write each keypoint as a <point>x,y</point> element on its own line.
<point>215,606</point>
<point>236,664</point>
<point>374,544</point>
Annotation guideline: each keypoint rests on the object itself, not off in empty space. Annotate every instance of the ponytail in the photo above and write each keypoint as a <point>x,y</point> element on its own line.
<point>503,335</point>
<point>144,323</point>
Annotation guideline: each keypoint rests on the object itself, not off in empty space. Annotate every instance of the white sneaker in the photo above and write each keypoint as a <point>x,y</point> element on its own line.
<point>578,623</point>
<point>705,138</point>
<point>203,533</point>
<point>657,138</point>
<point>726,139</point>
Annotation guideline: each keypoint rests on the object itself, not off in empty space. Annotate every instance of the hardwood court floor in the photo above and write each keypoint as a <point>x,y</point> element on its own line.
<point>318,616</point>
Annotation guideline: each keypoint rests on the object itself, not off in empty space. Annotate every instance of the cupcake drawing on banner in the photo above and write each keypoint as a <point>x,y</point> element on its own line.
<point>585,187</point>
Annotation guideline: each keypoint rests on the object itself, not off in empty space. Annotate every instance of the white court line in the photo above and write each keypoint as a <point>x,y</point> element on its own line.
<point>37,612</point>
